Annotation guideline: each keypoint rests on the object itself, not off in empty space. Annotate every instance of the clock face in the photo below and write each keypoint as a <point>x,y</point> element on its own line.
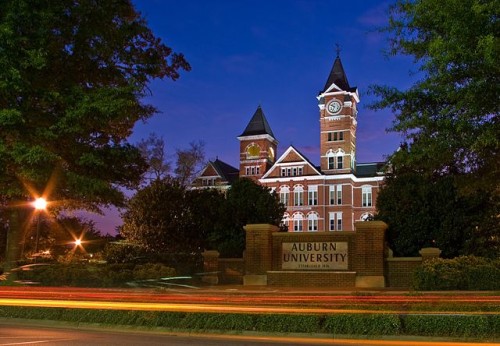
<point>334,107</point>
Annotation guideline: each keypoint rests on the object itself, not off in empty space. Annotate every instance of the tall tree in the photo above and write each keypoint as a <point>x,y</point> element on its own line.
<point>246,202</point>
<point>72,77</point>
<point>432,213</point>
<point>189,162</point>
<point>164,217</point>
<point>153,151</point>
<point>450,116</point>
<point>450,120</point>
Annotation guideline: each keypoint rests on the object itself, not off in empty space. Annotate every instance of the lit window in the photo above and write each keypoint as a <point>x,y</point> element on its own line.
<point>331,162</point>
<point>312,222</point>
<point>284,195</point>
<point>297,222</point>
<point>335,221</point>
<point>312,192</point>
<point>335,194</point>
<point>340,162</point>
<point>298,196</point>
<point>366,196</point>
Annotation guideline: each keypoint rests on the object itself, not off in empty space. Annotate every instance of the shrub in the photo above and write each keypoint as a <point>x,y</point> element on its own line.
<point>460,273</point>
<point>90,275</point>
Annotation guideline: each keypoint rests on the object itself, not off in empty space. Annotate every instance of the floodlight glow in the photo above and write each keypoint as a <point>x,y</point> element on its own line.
<point>40,204</point>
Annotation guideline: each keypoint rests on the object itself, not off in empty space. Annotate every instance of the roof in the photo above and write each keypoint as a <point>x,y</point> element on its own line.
<point>258,125</point>
<point>226,171</point>
<point>338,77</point>
<point>371,169</point>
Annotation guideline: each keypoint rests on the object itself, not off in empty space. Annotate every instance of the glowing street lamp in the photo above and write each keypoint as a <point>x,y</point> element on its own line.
<point>40,204</point>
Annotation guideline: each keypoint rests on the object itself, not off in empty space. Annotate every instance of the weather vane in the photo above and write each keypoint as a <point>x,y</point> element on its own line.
<point>338,49</point>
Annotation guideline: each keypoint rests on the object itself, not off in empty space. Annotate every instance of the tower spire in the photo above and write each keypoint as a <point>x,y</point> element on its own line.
<point>337,48</point>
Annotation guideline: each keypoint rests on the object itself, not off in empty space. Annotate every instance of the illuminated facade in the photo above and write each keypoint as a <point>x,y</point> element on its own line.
<point>329,197</point>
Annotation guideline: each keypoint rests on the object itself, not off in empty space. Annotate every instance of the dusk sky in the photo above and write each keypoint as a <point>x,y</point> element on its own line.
<point>273,53</point>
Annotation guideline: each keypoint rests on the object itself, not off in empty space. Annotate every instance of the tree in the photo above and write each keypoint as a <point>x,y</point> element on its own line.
<point>162,218</point>
<point>72,75</point>
<point>450,116</point>
<point>247,202</point>
<point>153,151</point>
<point>189,162</point>
<point>423,213</point>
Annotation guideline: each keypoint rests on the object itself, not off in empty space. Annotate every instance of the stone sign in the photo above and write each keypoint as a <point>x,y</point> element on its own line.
<point>314,256</point>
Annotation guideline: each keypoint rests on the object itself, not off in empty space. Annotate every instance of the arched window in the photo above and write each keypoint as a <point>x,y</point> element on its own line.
<point>298,195</point>
<point>285,195</point>
<point>335,159</point>
<point>312,221</point>
<point>298,219</point>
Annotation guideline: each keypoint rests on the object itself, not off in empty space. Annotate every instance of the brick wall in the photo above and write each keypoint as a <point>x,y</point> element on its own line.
<point>399,271</point>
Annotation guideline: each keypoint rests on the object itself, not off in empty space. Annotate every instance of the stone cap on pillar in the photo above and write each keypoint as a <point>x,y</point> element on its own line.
<point>429,252</point>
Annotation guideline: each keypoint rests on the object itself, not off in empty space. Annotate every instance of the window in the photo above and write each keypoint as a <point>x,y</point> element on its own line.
<point>284,195</point>
<point>335,159</point>
<point>340,162</point>
<point>312,222</point>
<point>331,162</point>
<point>312,193</point>
<point>335,194</point>
<point>297,222</point>
<point>335,136</point>
<point>335,221</point>
<point>339,221</point>
<point>298,196</point>
<point>291,171</point>
<point>339,194</point>
<point>366,196</point>
<point>252,170</point>
<point>208,181</point>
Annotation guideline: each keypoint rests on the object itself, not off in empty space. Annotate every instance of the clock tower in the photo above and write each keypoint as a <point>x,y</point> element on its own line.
<point>337,115</point>
<point>257,147</point>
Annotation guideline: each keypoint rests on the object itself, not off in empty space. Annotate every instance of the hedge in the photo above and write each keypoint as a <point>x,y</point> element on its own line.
<point>460,273</point>
<point>476,326</point>
<point>94,275</point>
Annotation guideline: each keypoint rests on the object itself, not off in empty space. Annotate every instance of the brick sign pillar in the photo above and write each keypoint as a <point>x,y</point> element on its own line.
<point>210,267</point>
<point>258,253</point>
<point>369,254</point>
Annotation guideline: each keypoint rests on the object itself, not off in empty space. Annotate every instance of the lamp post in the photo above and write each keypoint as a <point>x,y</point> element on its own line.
<point>39,204</point>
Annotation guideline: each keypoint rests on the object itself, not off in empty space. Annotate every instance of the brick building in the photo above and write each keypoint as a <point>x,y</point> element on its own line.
<point>328,197</point>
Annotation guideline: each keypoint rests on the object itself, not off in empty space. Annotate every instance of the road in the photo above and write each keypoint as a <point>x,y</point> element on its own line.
<point>32,334</point>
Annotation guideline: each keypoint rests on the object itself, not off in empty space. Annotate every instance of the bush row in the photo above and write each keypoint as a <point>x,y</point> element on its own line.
<point>460,273</point>
<point>473,326</point>
<point>94,275</point>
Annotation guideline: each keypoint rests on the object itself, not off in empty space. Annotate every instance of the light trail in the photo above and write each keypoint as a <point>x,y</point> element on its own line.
<point>212,308</point>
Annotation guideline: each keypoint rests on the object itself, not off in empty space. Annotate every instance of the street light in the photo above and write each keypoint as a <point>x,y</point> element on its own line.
<point>39,204</point>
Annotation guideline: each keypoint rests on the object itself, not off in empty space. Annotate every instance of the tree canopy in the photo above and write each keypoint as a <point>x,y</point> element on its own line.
<point>449,117</point>
<point>72,78</point>
<point>165,217</point>
<point>424,213</point>
<point>444,185</point>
